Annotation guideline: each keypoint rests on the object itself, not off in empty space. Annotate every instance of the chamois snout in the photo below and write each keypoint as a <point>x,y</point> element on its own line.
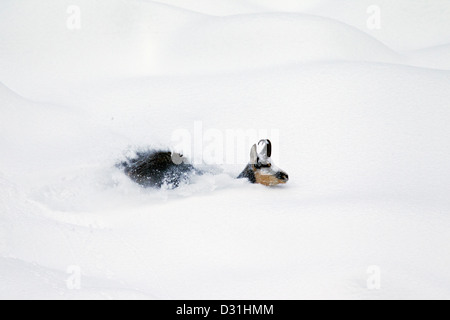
<point>282,176</point>
<point>261,169</point>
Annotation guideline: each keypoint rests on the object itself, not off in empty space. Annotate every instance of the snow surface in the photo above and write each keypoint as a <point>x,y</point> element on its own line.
<point>363,117</point>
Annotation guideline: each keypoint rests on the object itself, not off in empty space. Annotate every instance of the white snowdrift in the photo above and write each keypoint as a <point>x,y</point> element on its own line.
<point>435,57</point>
<point>405,24</point>
<point>363,135</point>
<point>267,40</point>
<point>119,39</point>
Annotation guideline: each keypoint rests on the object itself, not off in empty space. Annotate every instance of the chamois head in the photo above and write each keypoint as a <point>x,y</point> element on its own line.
<point>261,169</point>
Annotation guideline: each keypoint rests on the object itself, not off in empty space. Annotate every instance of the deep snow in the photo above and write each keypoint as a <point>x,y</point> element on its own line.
<point>362,117</point>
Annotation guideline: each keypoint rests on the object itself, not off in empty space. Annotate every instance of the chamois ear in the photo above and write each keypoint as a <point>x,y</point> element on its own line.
<point>267,151</point>
<point>254,155</point>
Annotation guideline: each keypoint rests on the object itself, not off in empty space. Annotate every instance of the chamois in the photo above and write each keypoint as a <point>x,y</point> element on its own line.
<point>164,168</point>
<point>158,168</point>
<point>261,170</point>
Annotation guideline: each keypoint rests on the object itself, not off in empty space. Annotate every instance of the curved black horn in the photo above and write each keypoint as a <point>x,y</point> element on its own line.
<point>268,147</point>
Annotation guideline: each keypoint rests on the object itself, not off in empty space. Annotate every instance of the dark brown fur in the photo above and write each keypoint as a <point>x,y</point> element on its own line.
<point>156,169</point>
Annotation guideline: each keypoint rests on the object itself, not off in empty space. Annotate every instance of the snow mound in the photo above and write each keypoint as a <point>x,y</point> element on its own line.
<point>44,283</point>
<point>405,25</point>
<point>116,39</point>
<point>232,7</point>
<point>267,40</point>
<point>147,38</point>
<point>8,97</point>
<point>435,57</point>
<point>35,135</point>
